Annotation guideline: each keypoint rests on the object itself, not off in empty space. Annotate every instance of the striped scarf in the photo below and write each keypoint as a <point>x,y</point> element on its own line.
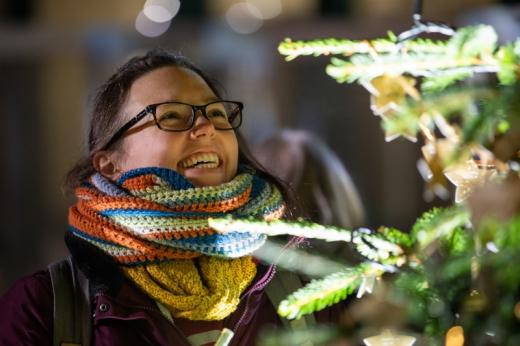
<point>154,224</point>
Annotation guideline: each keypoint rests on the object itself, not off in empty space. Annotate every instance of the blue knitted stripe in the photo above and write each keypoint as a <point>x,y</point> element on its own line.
<point>144,213</point>
<point>174,179</point>
<point>81,234</point>
<point>215,239</point>
<point>232,250</point>
<point>106,186</point>
<point>257,187</point>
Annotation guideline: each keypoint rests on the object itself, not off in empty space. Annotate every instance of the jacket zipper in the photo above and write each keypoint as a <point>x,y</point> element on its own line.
<point>260,285</point>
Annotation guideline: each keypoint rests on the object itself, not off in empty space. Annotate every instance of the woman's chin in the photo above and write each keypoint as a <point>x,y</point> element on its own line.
<point>205,182</point>
<point>200,177</point>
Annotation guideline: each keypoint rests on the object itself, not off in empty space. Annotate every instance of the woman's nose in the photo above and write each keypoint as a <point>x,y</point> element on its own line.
<point>202,126</point>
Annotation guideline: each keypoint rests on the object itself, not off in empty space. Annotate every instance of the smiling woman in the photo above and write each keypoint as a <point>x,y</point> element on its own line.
<point>173,134</point>
<point>164,154</point>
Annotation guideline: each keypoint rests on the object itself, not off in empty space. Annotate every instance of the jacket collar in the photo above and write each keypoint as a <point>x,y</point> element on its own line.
<point>102,272</point>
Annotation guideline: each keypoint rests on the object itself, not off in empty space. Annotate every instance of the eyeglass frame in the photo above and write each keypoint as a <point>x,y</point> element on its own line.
<point>152,108</point>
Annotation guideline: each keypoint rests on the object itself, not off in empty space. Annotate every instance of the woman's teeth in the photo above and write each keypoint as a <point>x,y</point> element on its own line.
<point>206,160</point>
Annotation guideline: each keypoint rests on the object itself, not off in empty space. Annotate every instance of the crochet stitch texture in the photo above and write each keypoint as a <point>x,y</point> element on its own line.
<point>153,222</point>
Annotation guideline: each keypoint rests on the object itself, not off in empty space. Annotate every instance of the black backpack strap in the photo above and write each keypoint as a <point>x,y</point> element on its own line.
<point>72,316</point>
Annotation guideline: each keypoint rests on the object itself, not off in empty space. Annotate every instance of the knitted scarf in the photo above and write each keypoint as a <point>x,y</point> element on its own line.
<point>153,223</point>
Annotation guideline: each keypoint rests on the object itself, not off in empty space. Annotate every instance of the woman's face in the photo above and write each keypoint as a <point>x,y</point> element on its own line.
<point>145,145</point>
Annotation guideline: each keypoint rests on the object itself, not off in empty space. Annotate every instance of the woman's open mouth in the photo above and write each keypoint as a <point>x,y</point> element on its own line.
<point>201,160</point>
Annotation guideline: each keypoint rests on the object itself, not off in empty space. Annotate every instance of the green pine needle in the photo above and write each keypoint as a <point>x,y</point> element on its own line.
<point>440,82</point>
<point>298,228</point>
<point>508,62</point>
<point>473,41</point>
<point>369,244</point>
<point>438,224</point>
<point>319,294</point>
<point>396,236</point>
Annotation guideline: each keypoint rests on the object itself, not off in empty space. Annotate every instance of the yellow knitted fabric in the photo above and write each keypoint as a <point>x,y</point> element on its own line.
<point>201,289</point>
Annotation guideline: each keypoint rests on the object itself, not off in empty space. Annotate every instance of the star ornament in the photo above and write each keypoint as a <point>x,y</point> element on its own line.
<point>468,176</point>
<point>395,128</point>
<point>435,153</point>
<point>387,94</point>
<point>387,338</point>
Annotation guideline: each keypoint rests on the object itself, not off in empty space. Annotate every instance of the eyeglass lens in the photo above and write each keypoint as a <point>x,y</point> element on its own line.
<point>177,116</point>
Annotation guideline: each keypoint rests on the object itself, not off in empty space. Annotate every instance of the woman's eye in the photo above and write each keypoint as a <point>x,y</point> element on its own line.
<point>170,116</point>
<point>217,113</point>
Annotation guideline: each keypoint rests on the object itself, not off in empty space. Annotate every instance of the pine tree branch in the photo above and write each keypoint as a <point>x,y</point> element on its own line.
<point>331,46</point>
<point>415,65</point>
<point>319,294</point>
<point>368,243</point>
<point>298,228</point>
<point>438,224</point>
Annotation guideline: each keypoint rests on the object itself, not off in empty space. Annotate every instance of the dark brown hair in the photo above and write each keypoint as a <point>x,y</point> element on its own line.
<point>110,97</point>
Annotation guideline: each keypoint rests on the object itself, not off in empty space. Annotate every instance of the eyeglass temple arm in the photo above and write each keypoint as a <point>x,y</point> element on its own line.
<point>127,126</point>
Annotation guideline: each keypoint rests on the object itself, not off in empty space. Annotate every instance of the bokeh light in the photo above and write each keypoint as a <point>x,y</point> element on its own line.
<point>268,9</point>
<point>244,18</point>
<point>161,11</point>
<point>455,336</point>
<point>149,28</point>
<point>517,310</point>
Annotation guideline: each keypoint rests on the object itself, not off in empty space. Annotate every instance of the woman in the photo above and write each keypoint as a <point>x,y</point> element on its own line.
<point>164,155</point>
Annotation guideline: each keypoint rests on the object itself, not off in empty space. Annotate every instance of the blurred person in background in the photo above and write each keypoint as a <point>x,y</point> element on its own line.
<point>164,154</point>
<point>324,190</point>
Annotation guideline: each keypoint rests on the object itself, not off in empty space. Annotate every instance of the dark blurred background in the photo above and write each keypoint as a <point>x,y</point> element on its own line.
<point>54,53</point>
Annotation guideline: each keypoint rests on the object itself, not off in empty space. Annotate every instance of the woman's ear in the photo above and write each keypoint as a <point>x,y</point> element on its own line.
<point>104,162</point>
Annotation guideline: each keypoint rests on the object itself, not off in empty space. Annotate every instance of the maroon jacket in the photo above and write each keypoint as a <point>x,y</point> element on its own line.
<point>124,315</point>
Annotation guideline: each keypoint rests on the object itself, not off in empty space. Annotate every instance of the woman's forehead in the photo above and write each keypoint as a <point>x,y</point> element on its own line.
<point>168,80</point>
<point>170,83</point>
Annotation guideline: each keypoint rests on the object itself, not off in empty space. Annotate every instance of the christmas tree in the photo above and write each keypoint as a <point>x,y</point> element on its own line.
<point>451,279</point>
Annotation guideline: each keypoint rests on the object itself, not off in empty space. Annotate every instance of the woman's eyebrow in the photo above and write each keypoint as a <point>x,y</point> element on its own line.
<point>204,101</point>
<point>211,99</point>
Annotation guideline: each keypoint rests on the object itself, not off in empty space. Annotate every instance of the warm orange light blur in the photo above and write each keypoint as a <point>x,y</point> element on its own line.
<point>517,310</point>
<point>455,336</point>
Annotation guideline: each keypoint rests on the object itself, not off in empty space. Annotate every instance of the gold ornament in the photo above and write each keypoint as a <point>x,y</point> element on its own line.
<point>387,338</point>
<point>455,336</point>
<point>435,153</point>
<point>468,176</point>
<point>395,129</point>
<point>387,94</point>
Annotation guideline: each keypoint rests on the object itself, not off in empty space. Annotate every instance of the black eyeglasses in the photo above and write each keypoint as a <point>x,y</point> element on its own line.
<point>178,116</point>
